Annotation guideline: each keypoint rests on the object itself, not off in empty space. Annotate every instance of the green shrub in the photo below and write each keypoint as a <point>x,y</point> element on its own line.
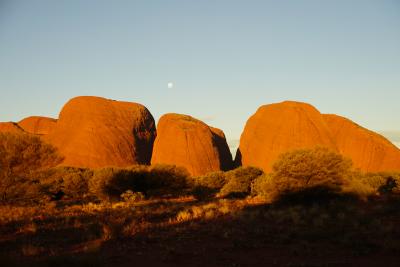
<point>307,168</point>
<point>239,181</point>
<point>73,182</point>
<point>356,184</point>
<point>262,186</point>
<point>379,181</point>
<point>109,183</point>
<point>22,156</point>
<point>166,180</point>
<point>206,186</point>
<point>132,197</point>
<point>212,180</point>
<point>308,174</point>
<point>159,180</point>
<point>366,185</point>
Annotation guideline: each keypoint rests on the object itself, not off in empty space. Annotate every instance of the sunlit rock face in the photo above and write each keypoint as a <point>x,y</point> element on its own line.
<point>282,127</point>
<point>278,128</point>
<point>96,132</point>
<point>10,127</point>
<point>185,141</point>
<point>38,125</point>
<point>368,150</point>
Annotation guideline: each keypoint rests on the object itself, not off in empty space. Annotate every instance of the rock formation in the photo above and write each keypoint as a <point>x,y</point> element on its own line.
<point>38,125</point>
<point>10,127</point>
<point>278,128</point>
<point>95,132</point>
<point>368,150</point>
<point>185,141</point>
<point>225,155</point>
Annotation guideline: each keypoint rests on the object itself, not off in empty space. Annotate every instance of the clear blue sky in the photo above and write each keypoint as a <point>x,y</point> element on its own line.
<point>226,57</point>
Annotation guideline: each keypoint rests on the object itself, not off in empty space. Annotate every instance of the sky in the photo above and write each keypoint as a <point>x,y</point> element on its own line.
<point>224,58</point>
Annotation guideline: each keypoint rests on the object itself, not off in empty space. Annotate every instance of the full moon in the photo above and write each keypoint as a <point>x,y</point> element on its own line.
<point>170,85</point>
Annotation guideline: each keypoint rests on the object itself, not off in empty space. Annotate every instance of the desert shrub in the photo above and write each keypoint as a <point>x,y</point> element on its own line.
<point>202,192</point>
<point>262,186</point>
<point>357,185</point>
<point>110,183</point>
<point>388,187</point>
<point>22,156</point>
<point>158,180</point>
<point>380,181</point>
<point>239,181</point>
<point>166,180</point>
<point>365,185</point>
<point>73,182</point>
<point>307,168</point>
<point>212,180</point>
<point>206,186</point>
<point>132,197</point>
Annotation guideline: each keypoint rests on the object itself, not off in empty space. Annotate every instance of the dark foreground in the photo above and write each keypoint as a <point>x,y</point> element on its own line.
<point>185,232</point>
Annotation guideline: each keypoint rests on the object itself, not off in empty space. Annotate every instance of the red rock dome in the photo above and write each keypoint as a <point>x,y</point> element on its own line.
<point>278,128</point>
<point>10,127</point>
<point>97,132</point>
<point>369,151</point>
<point>185,141</point>
<point>38,125</point>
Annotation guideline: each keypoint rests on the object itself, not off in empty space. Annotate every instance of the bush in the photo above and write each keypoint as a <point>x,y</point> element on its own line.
<point>262,186</point>
<point>206,186</point>
<point>306,168</point>
<point>166,180</point>
<point>212,180</point>
<point>73,182</point>
<point>132,197</point>
<point>159,180</point>
<point>22,156</point>
<point>381,180</point>
<point>366,185</point>
<point>388,187</point>
<point>307,174</point>
<point>239,181</point>
<point>356,184</point>
<point>202,192</point>
<point>109,183</point>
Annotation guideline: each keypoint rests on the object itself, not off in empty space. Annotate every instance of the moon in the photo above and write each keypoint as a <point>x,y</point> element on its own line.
<point>170,85</point>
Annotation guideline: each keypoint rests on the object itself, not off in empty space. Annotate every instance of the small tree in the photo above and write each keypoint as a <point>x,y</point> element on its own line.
<point>239,181</point>
<point>310,168</point>
<point>22,156</point>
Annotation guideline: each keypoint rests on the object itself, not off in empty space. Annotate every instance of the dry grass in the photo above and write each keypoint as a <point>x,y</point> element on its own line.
<point>162,227</point>
<point>154,228</point>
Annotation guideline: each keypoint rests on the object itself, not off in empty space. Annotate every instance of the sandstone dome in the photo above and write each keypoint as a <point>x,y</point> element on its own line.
<point>278,128</point>
<point>369,151</point>
<point>11,127</point>
<point>38,125</point>
<point>185,141</point>
<point>96,132</point>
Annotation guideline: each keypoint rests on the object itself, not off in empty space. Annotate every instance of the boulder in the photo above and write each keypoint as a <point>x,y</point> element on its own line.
<point>185,141</point>
<point>278,128</point>
<point>369,151</point>
<point>38,125</point>
<point>95,132</point>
